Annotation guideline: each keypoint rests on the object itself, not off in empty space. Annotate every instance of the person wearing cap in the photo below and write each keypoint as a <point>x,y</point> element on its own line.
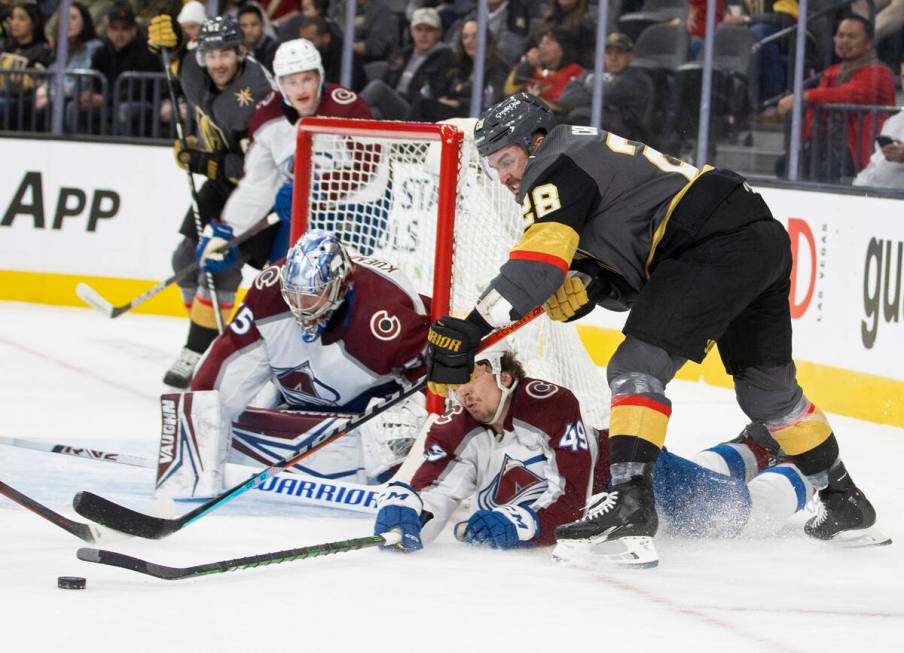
<point>124,49</point>
<point>190,18</point>
<point>547,69</point>
<point>627,93</point>
<point>258,43</point>
<point>417,70</point>
<point>223,86</point>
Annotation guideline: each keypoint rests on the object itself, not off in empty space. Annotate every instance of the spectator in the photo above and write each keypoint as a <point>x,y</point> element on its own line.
<point>886,166</point>
<point>457,102</point>
<point>312,8</point>
<point>418,69</point>
<point>765,19</point>
<point>318,31</point>
<point>376,30</point>
<point>627,93</point>
<point>25,47</point>
<point>858,79</point>
<point>261,46</point>
<point>83,43</point>
<point>546,69</point>
<point>124,50</point>
<point>509,23</point>
<point>190,19</point>
<point>572,16</point>
<point>696,24</point>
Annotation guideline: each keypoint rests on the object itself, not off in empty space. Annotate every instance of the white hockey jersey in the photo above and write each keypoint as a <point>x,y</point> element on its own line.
<point>545,459</point>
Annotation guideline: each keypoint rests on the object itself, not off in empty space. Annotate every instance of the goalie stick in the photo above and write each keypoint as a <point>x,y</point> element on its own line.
<point>114,559</point>
<point>94,299</point>
<point>84,532</point>
<point>126,520</point>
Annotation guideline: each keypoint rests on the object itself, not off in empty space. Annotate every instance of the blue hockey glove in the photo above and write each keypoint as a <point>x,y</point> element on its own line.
<point>504,527</point>
<point>399,508</point>
<point>283,202</point>
<point>214,236</point>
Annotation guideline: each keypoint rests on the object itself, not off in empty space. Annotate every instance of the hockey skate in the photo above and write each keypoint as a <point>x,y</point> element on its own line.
<point>180,374</point>
<point>845,516</point>
<point>757,438</point>
<point>617,530</point>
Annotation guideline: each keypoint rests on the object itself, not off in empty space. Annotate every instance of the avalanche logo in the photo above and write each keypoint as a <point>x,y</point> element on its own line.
<point>268,277</point>
<point>540,389</point>
<point>343,96</point>
<point>299,386</point>
<point>435,453</point>
<point>514,484</point>
<point>384,326</point>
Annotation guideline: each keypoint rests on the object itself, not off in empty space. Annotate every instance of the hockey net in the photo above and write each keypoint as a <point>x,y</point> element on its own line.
<point>416,196</point>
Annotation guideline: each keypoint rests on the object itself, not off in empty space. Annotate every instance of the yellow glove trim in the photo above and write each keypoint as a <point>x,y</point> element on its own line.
<point>566,301</point>
<point>441,389</point>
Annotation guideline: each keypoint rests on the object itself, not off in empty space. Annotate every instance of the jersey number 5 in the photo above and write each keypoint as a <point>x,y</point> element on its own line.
<point>242,321</point>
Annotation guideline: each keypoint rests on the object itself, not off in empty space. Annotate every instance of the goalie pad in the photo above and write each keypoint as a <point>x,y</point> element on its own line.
<point>388,437</point>
<point>193,442</point>
<point>268,435</point>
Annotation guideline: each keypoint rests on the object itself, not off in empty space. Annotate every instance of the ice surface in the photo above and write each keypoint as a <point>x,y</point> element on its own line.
<point>75,377</point>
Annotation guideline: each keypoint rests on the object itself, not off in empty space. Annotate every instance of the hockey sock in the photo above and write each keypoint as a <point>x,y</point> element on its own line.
<point>802,431</point>
<point>636,433</point>
<point>741,460</point>
<point>199,337</point>
<point>202,311</point>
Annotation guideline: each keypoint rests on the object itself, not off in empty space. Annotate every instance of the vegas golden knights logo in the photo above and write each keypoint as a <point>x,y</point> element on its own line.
<point>213,136</point>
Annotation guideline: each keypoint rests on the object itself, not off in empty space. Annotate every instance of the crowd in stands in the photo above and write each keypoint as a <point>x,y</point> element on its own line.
<point>414,60</point>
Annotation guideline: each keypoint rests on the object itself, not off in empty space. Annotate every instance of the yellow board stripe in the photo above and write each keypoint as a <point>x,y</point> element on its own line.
<point>59,290</point>
<point>876,399</point>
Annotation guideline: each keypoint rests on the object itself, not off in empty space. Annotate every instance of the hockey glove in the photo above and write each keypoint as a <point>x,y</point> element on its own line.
<point>570,301</point>
<point>503,527</point>
<point>207,254</point>
<point>451,345</point>
<point>163,32</point>
<point>187,153</point>
<point>399,509</point>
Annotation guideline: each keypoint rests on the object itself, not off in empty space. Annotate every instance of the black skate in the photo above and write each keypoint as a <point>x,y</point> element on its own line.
<point>845,516</point>
<point>765,449</point>
<point>617,530</point>
<point>180,374</point>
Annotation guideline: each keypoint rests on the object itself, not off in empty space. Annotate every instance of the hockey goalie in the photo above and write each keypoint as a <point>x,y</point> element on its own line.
<point>319,336</point>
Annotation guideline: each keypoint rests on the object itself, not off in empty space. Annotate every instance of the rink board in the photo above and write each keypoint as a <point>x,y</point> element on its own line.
<point>109,215</point>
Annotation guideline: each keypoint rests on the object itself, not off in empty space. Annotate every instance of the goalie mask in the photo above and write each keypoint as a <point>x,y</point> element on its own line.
<point>314,280</point>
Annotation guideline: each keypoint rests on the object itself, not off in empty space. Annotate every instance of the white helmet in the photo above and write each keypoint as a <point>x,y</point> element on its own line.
<point>296,56</point>
<point>492,355</point>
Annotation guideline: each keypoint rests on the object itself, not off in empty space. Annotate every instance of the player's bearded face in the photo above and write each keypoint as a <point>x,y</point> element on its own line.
<point>508,163</point>
<point>303,91</point>
<point>480,396</point>
<point>222,65</point>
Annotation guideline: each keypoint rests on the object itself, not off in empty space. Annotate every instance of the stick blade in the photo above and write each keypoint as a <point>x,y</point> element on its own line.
<point>91,297</point>
<point>122,519</point>
<point>113,559</point>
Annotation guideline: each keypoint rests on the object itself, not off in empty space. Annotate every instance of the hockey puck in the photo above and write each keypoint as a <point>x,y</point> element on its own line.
<point>71,583</point>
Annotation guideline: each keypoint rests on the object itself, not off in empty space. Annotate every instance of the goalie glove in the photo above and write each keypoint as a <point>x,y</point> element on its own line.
<point>503,527</point>
<point>388,437</point>
<point>451,345</point>
<point>399,509</point>
<point>214,236</point>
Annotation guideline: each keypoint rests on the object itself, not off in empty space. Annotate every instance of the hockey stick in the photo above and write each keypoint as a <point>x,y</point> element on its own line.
<point>126,520</point>
<point>85,532</point>
<point>93,298</point>
<point>114,559</point>
<point>196,213</point>
<point>79,452</point>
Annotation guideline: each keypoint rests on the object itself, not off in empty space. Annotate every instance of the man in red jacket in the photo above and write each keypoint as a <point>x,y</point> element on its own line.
<point>860,78</point>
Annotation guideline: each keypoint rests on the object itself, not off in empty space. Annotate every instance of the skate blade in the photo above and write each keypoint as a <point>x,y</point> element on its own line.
<point>637,552</point>
<point>860,538</point>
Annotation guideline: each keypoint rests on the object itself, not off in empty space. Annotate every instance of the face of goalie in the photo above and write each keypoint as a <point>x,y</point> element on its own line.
<point>303,91</point>
<point>481,395</point>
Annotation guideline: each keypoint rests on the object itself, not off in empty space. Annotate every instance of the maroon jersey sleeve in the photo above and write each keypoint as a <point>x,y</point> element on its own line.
<point>340,102</point>
<point>447,436</point>
<point>557,412</point>
<point>263,300</point>
<point>267,110</point>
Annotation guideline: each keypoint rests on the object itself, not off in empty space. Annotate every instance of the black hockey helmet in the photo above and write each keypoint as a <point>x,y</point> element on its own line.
<point>220,33</point>
<point>514,120</point>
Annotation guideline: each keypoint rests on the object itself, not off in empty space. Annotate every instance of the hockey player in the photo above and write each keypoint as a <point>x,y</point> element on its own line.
<point>223,85</point>
<point>520,449</point>
<point>270,156</point>
<point>698,259</point>
<point>323,332</point>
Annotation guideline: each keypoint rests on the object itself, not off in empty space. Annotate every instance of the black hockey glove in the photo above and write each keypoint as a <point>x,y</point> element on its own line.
<point>451,345</point>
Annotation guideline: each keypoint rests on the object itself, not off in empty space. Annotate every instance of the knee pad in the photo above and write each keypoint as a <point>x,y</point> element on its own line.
<point>767,394</point>
<point>635,356</point>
